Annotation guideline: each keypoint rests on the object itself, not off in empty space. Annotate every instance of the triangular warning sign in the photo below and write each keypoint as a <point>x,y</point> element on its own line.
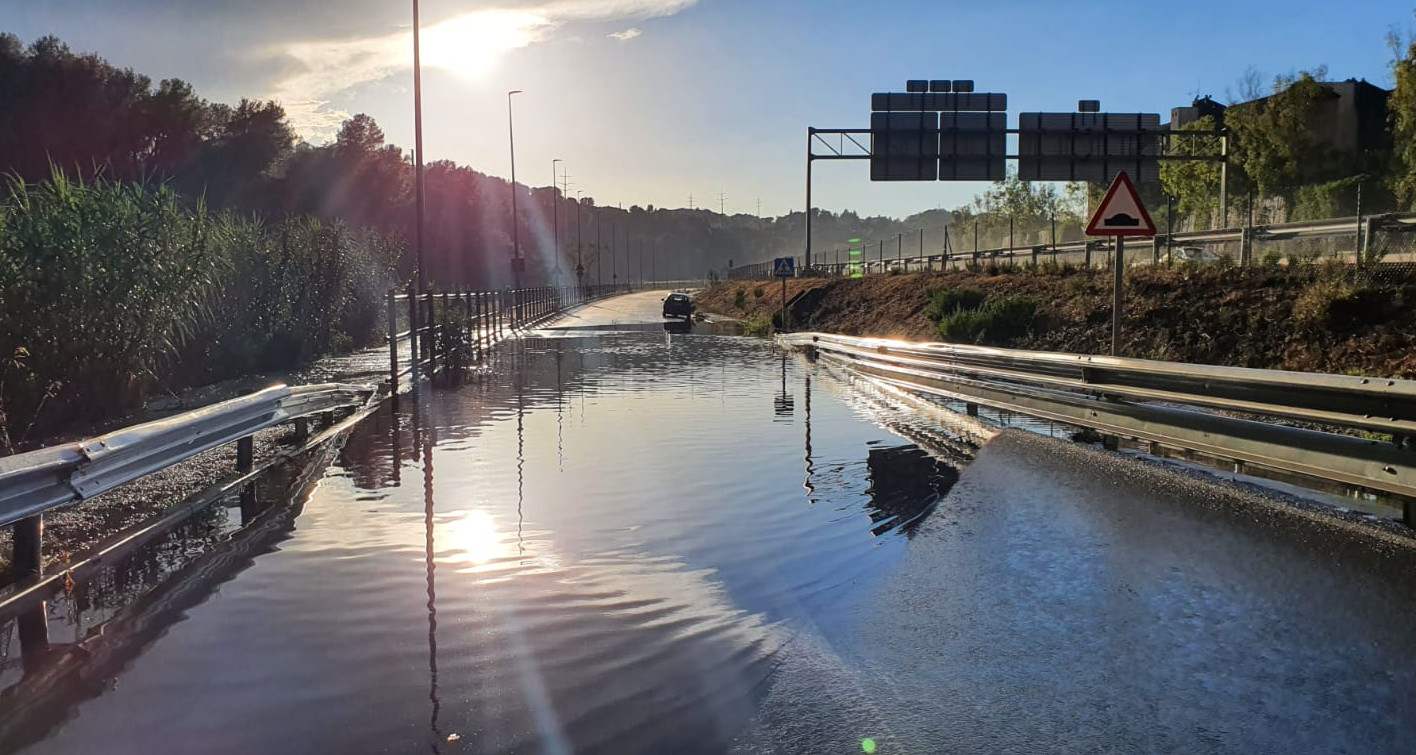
<point>1121,212</point>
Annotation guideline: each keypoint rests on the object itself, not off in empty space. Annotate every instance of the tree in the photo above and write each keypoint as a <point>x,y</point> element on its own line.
<point>1278,141</point>
<point>1195,185</point>
<point>1401,113</point>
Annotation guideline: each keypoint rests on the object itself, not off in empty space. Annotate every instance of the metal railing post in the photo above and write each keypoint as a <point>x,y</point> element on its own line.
<point>430,343</point>
<point>28,557</point>
<point>246,454</point>
<point>393,346</point>
<point>413,338</point>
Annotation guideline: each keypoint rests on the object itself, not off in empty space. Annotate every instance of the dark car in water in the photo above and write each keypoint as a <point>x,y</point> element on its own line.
<point>678,305</point>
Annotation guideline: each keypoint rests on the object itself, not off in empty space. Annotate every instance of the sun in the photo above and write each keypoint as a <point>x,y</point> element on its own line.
<point>472,44</point>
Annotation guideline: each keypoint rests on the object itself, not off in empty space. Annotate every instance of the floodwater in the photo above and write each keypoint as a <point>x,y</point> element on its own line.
<point>639,539</point>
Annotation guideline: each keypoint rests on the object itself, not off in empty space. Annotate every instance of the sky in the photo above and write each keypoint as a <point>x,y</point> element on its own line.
<point>654,101</point>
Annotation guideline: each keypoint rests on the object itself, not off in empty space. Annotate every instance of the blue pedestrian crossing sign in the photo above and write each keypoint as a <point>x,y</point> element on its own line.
<point>784,267</point>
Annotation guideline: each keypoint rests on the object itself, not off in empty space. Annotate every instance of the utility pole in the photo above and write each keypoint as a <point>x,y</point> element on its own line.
<point>722,202</point>
<point>614,247</point>
<point>690,201</point>
<point>759,207</point>
<point>599,256</point>
<point>516,259</point>
<point>555,222</point>
<point>579,247</point>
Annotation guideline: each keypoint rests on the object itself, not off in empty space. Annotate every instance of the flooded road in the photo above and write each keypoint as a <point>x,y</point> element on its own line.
<point>625,538</point>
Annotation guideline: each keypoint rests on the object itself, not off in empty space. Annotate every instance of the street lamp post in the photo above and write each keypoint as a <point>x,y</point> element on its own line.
<point>418,155</point>
<point>555,221</point>
<point>579,248</point>
<point>517,263</point>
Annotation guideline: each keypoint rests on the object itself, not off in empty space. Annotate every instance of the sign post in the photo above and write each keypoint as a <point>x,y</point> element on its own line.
<point>1119,215</point>
<point>784,268</point>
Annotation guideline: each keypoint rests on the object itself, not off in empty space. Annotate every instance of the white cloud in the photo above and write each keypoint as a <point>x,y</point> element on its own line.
<point>471,44</point>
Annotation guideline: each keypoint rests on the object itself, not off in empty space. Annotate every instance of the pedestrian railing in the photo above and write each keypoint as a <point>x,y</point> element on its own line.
<point>1229,413</point>
<point>440,326</point>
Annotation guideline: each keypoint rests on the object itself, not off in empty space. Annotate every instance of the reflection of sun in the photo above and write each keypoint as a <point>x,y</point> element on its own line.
<point>471,44</point>
<point>472,538</point>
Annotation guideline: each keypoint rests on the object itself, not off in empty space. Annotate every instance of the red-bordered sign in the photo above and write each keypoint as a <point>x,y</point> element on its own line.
<point>1121,213</point>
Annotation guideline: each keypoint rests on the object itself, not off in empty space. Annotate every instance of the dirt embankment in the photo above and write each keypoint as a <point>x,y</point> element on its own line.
<point>1310,319</point>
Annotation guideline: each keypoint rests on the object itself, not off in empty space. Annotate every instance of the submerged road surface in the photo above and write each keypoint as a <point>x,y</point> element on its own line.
<point>618,536</point>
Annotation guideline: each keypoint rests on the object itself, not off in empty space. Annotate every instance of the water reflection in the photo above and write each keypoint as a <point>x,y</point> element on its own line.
<point>660,564</point>
<point>905,482</point>
<point>783,404</point>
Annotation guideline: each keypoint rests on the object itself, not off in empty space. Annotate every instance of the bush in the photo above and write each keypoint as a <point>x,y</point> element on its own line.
<point>757,292</point>
<point>1332,303</point>
<point>740,299</point>
<point>946,301</point>
<point>997,323</point>
<point>100,284</point>
<point>109,291</point>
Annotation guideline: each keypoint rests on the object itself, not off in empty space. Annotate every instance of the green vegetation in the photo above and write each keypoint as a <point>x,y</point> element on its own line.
<point>967,315</point>
<point>109,291</point>
<point>946,301</point>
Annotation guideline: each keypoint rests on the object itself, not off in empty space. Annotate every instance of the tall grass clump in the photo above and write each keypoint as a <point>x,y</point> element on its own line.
<point>100,284</point>
<point>109,291</point>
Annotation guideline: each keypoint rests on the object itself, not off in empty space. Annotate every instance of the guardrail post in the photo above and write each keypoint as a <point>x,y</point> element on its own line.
<point>413,339</point>
<point>1408,512</point>
<point>245,454</point>
<point>430,342</point>
<point>971,409</point>
<point>33,628</point>
<point>28,558</point>
<point>393,346</point>
<point>479,306</point>
<point>302,428</point>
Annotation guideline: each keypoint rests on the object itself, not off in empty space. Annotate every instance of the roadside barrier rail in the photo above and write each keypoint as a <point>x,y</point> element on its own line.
<point>1169,404</point>
<point>36,482</point>
<point>1359,228</point>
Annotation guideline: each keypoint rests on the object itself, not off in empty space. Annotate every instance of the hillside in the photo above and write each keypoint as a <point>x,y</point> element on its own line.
<point>1307,319</point>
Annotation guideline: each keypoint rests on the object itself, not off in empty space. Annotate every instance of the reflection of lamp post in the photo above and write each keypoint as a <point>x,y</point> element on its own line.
<point>579,258</point>
<point>555,215</point>
<point>516,262</point>
<point>418,155</point>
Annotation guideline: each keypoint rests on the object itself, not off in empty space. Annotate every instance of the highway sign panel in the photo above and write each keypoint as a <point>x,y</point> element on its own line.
<point>1088,146</point>
<point>1121,213</point>
<point>784,267</point>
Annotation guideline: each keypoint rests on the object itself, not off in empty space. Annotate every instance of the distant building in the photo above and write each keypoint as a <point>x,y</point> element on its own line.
<point>1181,117</point>
<point>1352,120</point>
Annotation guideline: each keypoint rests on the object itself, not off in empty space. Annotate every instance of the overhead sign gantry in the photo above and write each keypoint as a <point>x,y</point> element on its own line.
<point>943,130</point>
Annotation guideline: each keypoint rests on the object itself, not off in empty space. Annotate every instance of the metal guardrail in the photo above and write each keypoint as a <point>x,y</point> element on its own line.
<point>36,482</point>
<point>1355,227</point>
<point>1165,403</point>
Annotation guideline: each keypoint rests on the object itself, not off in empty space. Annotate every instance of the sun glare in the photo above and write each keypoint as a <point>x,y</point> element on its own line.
<point>473,538</point>
<point>473,43</point>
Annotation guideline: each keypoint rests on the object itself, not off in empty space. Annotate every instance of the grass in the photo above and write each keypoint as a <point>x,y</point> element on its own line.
<point>110,291</point>
<point>998,322</point>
